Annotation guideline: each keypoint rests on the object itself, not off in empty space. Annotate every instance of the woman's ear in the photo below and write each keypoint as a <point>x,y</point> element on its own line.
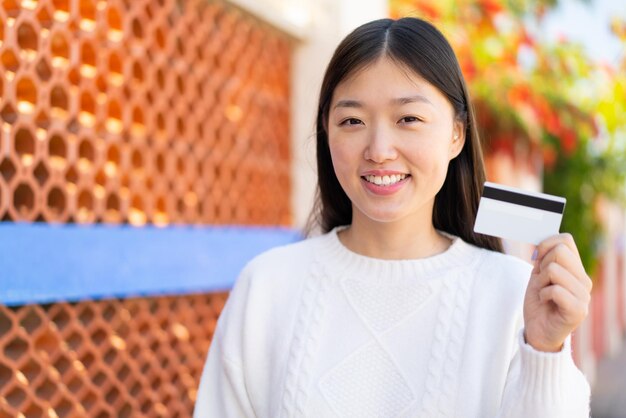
<point>458,139</point>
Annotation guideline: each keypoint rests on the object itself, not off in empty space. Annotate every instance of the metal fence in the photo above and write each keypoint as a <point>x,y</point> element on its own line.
<point>132,112</point>
<point>142,112</point>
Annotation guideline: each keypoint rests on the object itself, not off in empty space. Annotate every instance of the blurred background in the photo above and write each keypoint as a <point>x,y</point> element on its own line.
<point>149,148</point>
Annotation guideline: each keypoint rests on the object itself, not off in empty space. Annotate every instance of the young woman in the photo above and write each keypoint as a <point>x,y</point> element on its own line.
<point>399,309</point>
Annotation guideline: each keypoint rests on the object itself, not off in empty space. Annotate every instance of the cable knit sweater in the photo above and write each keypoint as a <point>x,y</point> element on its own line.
<point>315,330</point>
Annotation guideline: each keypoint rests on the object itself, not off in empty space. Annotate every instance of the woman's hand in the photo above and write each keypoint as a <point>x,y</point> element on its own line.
<point>558,294</point>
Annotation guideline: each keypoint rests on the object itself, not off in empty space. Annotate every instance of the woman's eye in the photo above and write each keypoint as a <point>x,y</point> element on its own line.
<point>410,119</point>
<point>351,121</point>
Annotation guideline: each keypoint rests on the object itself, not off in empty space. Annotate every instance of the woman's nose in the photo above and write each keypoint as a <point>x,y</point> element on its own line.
<point>380,146</point>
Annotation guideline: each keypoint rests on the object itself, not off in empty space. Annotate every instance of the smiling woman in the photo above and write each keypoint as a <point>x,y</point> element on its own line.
<point>399,308</point>
<point>418,84</point>
<point>391,144</point>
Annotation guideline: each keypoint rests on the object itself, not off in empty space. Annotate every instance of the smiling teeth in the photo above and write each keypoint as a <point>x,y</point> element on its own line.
<point>385,180</point>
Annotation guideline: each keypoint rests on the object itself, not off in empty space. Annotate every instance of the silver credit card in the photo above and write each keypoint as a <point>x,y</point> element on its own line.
<point>518,215</point>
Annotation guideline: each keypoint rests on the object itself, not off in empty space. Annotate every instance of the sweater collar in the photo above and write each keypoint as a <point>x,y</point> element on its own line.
<point>334,255</point>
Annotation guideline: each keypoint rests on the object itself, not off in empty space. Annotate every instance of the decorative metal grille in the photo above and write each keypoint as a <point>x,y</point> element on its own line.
<point>114,358</point>
<point>143,111</point>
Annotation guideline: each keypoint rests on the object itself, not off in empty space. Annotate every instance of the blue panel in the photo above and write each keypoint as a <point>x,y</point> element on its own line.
<point>41,263</point>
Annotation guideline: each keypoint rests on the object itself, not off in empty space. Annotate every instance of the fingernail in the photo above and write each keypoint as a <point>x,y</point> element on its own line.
<point>534,256</point>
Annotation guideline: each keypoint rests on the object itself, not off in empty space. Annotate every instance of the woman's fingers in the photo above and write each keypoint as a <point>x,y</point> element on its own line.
<point>549,243</point>
<point>571,308</point>
<point>562,255</point>
<point>558,295</point>
<point>565,238</point>
<point>556,274</point>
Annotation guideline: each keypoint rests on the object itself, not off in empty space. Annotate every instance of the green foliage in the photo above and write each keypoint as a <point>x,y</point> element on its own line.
<point>583,177</point>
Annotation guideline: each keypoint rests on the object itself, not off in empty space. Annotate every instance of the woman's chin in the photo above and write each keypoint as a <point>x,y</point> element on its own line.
<point>385,217</point>
<point>392,214</point>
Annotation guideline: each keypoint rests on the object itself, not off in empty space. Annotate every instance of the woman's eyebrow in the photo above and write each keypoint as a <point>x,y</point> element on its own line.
<point>418,98</point>
<point>411,99</point>
<point>348,103</point>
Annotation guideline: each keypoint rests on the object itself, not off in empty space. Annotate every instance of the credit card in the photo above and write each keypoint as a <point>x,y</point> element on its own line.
<point>519,215</point>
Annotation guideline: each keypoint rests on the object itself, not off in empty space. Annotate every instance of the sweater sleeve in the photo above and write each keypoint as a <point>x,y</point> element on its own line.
<point>223,392</point>
<point>543,384</point>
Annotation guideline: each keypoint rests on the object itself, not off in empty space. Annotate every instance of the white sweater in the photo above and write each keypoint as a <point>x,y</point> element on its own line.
<point>315,330</point>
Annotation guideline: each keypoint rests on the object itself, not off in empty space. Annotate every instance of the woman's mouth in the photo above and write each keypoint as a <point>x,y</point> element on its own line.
<point>384,185</point>
<point>387,180</point>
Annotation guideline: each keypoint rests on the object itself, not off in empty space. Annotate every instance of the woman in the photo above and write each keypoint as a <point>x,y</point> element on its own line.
<point>399,309</point>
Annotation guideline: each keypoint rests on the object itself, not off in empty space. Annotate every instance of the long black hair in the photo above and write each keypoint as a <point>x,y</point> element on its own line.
<point>419,46</point>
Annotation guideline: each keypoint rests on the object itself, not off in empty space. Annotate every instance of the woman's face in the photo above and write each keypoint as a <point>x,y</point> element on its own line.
<point>391,137</point>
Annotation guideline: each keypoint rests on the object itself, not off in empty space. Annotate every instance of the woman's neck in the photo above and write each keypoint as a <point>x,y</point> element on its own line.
<point>393,240</point>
